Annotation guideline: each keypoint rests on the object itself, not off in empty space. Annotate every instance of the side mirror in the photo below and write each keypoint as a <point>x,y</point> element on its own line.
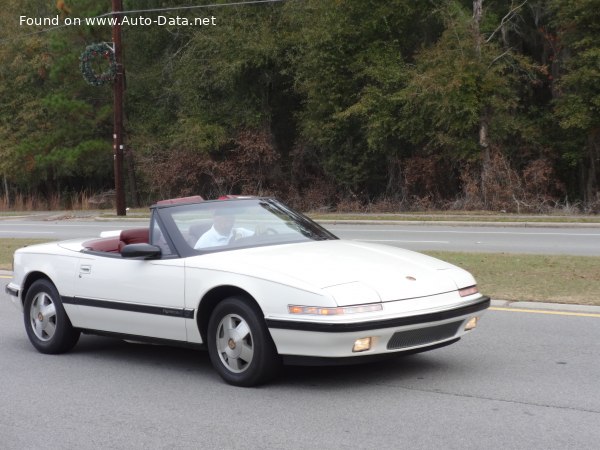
<point>142,251</point>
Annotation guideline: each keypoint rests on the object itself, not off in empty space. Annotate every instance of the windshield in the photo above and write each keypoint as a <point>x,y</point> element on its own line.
<point>233,224</point>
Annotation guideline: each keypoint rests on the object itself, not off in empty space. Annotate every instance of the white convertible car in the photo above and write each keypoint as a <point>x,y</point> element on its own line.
<point>249,279</point>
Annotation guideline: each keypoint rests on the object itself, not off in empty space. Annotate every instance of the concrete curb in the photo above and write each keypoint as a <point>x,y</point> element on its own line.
<point>558,307</point>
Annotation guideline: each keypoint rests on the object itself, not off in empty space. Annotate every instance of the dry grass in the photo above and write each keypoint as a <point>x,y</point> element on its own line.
<point>59,201</point>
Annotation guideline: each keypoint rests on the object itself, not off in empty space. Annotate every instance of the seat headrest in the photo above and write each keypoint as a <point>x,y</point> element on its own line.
<point>135,236</point>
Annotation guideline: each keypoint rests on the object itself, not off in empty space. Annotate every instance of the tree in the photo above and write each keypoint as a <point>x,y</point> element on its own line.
<point>463,99</point>
<point>350,61</point>
<point>211,88</point>
<point>56,128</point>
<point>578,104</point>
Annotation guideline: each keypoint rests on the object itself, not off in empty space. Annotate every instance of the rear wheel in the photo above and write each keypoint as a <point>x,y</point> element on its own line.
<point>46,322</point>
<point>239,344</point>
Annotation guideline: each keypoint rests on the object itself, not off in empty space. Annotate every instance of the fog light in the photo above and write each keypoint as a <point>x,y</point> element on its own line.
<point>472,323</point>
<point>362,345</point>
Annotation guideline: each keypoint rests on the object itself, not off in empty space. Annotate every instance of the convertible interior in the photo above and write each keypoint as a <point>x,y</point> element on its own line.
<point>115,244</point>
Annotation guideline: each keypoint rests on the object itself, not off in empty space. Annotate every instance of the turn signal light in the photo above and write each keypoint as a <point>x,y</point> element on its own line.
<point>319,311</point>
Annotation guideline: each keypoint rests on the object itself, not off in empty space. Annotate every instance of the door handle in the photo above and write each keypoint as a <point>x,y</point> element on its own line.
<point>85,269</point>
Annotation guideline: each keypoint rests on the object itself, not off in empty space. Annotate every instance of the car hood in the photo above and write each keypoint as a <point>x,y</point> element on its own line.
<point>351,272</point>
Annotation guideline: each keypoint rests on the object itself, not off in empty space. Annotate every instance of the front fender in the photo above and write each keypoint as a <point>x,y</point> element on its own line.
<point>271,297</point>
<point>30,265</point>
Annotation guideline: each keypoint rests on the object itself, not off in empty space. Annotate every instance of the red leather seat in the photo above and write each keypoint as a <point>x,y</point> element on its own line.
<point>103,245</point>
<point>134,236</point>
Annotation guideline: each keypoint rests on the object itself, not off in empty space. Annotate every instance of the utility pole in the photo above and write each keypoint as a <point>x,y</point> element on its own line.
<point>118,88</point>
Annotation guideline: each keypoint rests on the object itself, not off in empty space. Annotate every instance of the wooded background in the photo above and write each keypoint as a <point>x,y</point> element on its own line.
<point>380,105</point>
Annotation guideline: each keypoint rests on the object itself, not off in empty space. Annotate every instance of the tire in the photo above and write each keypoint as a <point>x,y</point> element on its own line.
<point>46,322</point>
<point>239,344</point>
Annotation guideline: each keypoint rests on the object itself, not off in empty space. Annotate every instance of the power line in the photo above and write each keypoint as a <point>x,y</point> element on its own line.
<point>179,8</point>
<point>150,10</point>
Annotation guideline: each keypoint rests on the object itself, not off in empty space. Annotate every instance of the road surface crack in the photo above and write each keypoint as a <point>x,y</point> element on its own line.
<point>481,397</point>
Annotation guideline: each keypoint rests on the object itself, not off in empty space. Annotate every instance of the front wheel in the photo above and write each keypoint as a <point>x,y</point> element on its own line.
<point>239,344</point>
<point>46,322</point>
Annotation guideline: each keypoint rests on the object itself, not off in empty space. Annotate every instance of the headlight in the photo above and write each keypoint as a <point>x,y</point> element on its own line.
<point>464,292</point>
<point>320,311</point>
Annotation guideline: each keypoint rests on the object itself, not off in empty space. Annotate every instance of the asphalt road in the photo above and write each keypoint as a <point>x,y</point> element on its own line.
<point>563,240</point>
<point>566,239</point>
<point>521,380</point>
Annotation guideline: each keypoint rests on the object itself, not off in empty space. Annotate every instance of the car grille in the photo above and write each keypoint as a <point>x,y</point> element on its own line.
<point>423,336</point>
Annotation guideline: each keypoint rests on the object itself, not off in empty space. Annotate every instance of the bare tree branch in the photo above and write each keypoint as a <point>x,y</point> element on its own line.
<point>498,57</point>
<point>505,19</point>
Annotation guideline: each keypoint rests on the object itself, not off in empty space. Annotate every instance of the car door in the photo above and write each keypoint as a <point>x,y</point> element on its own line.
<point>131,297</point>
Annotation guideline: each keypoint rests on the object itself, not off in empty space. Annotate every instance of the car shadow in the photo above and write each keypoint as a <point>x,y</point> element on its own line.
<point>142,354</point>
<point>396,368</point>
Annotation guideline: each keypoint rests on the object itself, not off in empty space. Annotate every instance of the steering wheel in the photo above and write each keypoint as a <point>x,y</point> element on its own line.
<point>266,231</point>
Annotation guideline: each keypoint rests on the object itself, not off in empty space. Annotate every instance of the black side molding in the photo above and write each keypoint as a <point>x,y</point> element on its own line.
<point>472,308</point>
<point>145,339</point>
<point>132,307</point>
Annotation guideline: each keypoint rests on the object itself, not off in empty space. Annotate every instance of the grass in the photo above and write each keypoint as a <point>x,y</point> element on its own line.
<point>8,247</point>
<point>554,279</point>
<point>503,276</point>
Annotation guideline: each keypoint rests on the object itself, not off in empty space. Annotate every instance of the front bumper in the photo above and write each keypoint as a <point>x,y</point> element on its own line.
<point>13,293</point>
<point>404,333</point>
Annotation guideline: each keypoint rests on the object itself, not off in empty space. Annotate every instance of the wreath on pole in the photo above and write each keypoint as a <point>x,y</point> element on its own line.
<point>88,61</point>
